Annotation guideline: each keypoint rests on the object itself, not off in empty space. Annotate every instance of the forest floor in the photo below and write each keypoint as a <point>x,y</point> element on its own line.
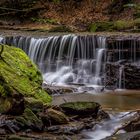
<point>74,16</point>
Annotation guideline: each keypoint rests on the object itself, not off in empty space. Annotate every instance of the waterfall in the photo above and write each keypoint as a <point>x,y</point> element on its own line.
<point>79,59</point>
<point>65,59</point>
<point>121,77</point>
<point>98,66</point>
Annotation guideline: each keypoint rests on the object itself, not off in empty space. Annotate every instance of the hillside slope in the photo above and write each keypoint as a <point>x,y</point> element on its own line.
<point>75,14</point>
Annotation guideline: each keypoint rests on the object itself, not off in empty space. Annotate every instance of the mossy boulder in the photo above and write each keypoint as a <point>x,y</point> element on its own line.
<point>80,108</point>
<point>19,78</point>
<point>29,121</point>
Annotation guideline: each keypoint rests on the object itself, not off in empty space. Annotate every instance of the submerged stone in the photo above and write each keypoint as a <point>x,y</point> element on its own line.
<point>19,78</point>
<point>81,108</point>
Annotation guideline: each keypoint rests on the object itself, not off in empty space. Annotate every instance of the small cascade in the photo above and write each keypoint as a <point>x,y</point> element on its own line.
<point>1,38</point>
<point>100,54</point>
<point>122,67</point>
<point>121,78</point>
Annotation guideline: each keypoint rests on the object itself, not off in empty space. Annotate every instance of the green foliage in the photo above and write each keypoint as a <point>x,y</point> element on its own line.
<point>101,26</point>
<point>121,25</point>
<point>93,28</point>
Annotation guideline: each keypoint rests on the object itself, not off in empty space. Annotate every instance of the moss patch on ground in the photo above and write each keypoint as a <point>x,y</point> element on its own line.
<point>18,75</point>
<point>119,25</point>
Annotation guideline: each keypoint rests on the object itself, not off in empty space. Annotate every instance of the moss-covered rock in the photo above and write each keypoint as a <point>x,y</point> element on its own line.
<point>19,77</point>
<point>81,108</point>
<point>34,104</point>
<point>29,120</point>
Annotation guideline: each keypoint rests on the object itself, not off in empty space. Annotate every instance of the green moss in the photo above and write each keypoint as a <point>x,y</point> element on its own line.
<point>29,120</point>
<point>101,26</point>
<point>121,25</point>
<point>19,74</point>
<point>79,105</point>
<point>34,104</point>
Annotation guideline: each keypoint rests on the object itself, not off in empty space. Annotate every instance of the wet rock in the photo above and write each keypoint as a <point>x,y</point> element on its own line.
<point>34,104</point>
<point>29,121</point>
<point>56,90</point>
<point>8,124</point>
<point>16,137</point>
<point>133,125</point>
<point>81,108</point>
<point>2,131</point>
<point>51,116</point>
<point>102,115</point>
<point>70,129</point>
<point>130,72</point>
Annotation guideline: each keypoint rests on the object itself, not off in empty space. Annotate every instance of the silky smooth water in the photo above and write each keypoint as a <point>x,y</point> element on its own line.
<point>108,127</point>
<point>76,59</point>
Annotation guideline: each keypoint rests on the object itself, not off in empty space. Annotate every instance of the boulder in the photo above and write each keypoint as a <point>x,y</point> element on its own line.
<point>53,116</point>
<point>19,78</point>
<point>29,121</point>
<point>81,108</point>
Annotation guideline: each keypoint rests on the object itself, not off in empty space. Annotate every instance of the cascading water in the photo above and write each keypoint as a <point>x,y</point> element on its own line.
<point>121,78</point>
<point>66,59</point>
<point>73,59</point>
<point>1,38</point>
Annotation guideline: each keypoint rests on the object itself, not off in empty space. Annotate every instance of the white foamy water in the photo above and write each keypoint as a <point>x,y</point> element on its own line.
<point>1,38</point>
